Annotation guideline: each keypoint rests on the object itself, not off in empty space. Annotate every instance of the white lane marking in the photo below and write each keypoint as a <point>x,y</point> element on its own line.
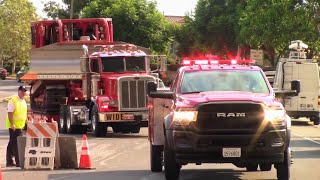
<point>104,162</point>
<point>306,138</point>
<point>63,177</point>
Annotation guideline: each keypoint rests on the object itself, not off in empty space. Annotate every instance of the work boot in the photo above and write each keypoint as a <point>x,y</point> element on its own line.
<point>11,164</point>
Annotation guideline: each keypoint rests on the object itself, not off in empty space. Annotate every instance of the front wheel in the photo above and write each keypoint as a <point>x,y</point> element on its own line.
<point>68,123</point>
<point>96,126</point>
<point>265,167</point>
<point>283,169</point>
<point>135,128</point>
<point>171,166</point>
<point>252,167</point>
<point>316,121</point>
<point>62,120</point>
<point>156,157</point>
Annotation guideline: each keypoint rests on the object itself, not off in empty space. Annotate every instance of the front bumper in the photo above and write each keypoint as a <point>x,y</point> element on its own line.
<point>118,117</point>
<point>191,147</point>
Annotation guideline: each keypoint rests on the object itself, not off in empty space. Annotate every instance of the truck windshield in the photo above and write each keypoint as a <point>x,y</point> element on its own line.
<point>235,80</point>
<point>123,64</point>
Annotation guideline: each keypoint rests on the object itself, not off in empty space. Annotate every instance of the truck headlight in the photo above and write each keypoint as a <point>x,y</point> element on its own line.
<point>184,117</point>
<point>275,116</point>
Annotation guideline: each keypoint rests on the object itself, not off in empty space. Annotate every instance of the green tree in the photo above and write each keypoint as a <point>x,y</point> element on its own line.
<point>271,25</point>
<point>55,10</point>
<point>213,29</point>
<point>135,21</point>
<point>15,19</point>
<point>186,37</point>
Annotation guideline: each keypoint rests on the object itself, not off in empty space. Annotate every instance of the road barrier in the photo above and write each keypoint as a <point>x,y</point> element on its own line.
<point>40,145</point>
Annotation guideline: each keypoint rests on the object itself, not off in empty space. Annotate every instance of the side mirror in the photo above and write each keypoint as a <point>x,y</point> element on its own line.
<point>295,86</point>
<point>152,91</point>
<point>169,83</point>
<point>84,64</point>
<point>151,87</point>
<point>295,90</point>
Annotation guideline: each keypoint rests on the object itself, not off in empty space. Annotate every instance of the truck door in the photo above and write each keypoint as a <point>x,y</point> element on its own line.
<point>307,100</point>
<point>290,72</point>
<point>309,80</point>
<point>161,108</point>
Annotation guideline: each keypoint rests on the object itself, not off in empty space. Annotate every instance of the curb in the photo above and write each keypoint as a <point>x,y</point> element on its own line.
<point>11,78</point>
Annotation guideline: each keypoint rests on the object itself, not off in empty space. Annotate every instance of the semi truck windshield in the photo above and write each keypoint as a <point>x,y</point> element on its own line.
<point>123,64</point>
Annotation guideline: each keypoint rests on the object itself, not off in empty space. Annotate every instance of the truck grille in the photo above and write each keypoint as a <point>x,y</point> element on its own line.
<point>234,112</point>
<point>133,94</point>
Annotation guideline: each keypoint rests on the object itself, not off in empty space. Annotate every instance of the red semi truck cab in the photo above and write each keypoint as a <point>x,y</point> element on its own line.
<point>218,111</point>
<point>106,87</point>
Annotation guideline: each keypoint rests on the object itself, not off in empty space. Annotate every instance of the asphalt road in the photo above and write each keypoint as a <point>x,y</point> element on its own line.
<point>126,157</point>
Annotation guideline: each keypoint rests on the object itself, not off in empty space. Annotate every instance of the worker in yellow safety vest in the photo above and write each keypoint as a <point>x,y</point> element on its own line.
<point>15,122</point>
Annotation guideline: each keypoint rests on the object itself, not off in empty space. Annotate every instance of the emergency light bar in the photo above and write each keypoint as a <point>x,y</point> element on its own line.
<point>189,62</point>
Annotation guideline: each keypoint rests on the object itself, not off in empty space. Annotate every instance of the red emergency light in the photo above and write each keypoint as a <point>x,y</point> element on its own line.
<point>190,62</point>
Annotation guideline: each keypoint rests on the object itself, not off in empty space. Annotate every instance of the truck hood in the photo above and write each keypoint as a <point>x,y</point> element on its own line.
<point>191,100</point>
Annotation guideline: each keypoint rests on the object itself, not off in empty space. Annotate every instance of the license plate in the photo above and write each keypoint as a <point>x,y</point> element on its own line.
<point>231,152</point>
<point>119,116</point>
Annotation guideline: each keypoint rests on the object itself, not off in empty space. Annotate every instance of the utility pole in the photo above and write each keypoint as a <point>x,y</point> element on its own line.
<point>71,9</point>
<point>71,17</point>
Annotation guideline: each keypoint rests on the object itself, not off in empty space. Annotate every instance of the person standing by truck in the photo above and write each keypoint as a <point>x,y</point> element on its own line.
<point>15,122</point>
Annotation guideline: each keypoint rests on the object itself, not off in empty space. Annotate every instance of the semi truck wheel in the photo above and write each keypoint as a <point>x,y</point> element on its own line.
<point>97,128</point>
<point>68,123</point>
<point>283,169</point>
<point>135,128</point>
<point>62,120</point>
<point>171,166</point>
<point>116,129</point>
<point>265,167</point>
<point>252,167</point>
<point>156,157</point>
<point>316,121</point>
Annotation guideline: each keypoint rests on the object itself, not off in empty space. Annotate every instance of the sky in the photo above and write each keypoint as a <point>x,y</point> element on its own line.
<point>167,7</point>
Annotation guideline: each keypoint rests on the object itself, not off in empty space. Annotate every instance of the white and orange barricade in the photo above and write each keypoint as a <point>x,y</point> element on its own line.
<point>40,145</point>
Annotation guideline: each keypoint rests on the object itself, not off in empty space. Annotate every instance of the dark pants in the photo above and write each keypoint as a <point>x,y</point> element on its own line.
<point>12,148</point>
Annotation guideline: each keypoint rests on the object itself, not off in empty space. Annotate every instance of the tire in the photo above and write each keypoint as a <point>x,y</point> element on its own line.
<point>283,169</point>
<point>135,129</point>
<point>172,168</point>
<point>98,129</point>
<point>252,167</point>
<point>68,123</point>
<point>62,121</point>
<point>125,129</point>
<point>265,167</point>
<point>116,129</point>
<point>316,121</point>
<point>156,157</point>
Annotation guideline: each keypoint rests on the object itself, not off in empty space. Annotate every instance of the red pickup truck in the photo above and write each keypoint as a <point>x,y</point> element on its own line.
<point>219,111</point>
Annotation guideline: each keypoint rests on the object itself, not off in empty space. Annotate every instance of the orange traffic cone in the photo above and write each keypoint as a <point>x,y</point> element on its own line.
<point>0,173</point>
<point>85,160</point>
